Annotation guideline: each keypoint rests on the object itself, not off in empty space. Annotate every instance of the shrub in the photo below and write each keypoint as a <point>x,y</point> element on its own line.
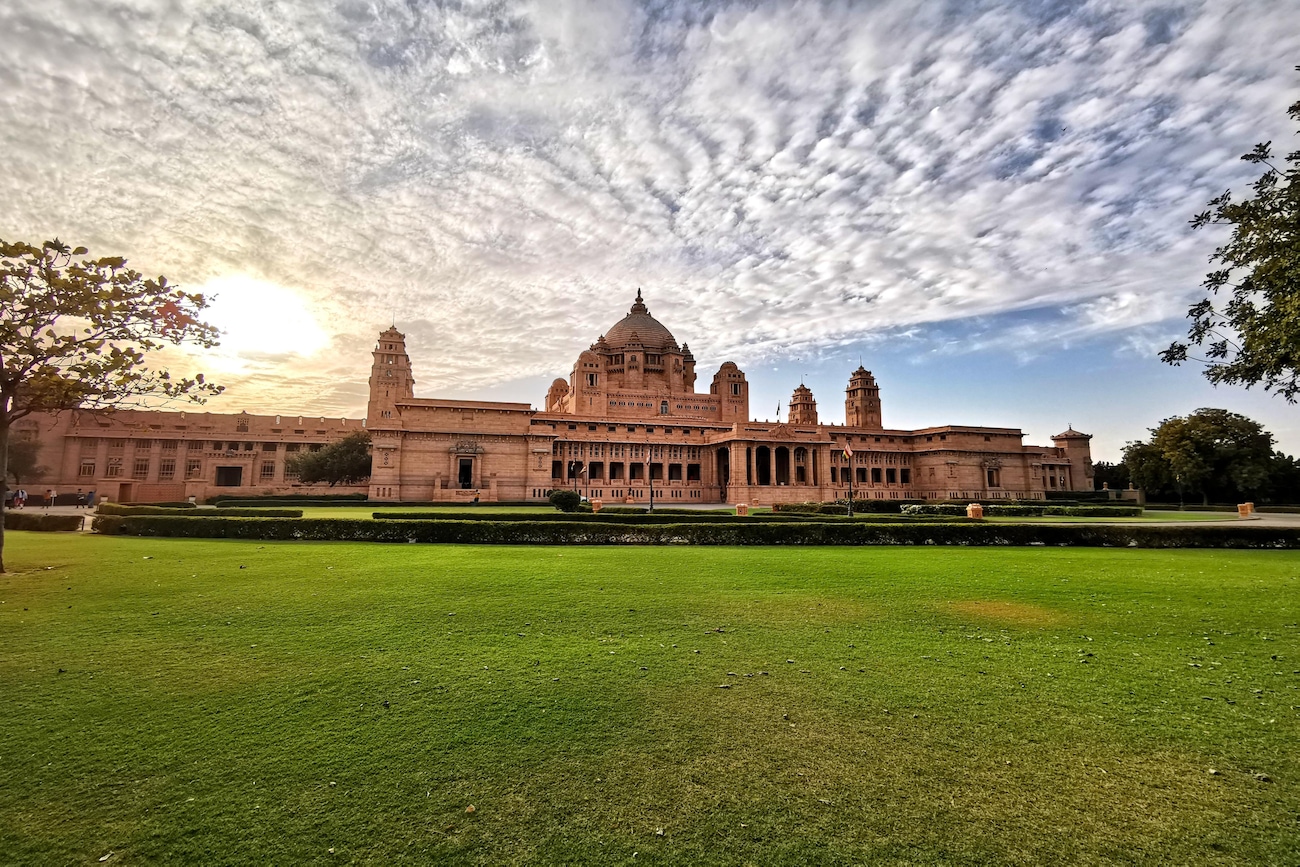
<point>1245,535</point>
<point>948,509</point>
<point>564,499</point>
<point>1015,511</point>
<point>42,523</point>
<point>1095,511</point>
<point>686,517</point>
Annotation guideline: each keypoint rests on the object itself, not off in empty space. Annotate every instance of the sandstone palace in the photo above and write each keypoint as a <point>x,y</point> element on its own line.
<point>628,420</point>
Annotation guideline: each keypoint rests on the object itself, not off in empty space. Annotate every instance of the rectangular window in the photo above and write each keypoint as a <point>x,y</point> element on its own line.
<point>140,471</point>
<point>674,472</point>
<point>735,389</point>
<point>875,475</point>
<point>116,445</point>
<point>891,476</point>
<point>194,446</point>
<point>291,447</point>
<point>834,475</point>
<point>905,476</point>
<point>169,446</point>
<point>143,445</point>
<point>193,469</point>
<point>166,469</point>
<point>89,445</point>
<point>87,470</point>
<point>114,469</point>
<point>268,447</point>
<point>862,474</point>
<point>592,379</point>
<point>616,471</point>
<point>557,469</point>
<point>267,473</point>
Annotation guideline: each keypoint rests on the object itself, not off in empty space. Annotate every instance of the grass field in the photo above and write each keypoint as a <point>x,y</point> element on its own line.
<point>232,702</point>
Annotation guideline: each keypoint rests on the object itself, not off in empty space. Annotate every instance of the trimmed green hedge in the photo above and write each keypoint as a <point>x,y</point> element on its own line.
<point>1095,511</point>
<point>42,523</point>
<point>949,509</point>
<point>686,517</point>
<point>115,509</point>
<point>588,533</point>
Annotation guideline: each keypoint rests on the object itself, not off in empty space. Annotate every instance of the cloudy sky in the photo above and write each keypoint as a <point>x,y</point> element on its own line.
<point>985,202</point>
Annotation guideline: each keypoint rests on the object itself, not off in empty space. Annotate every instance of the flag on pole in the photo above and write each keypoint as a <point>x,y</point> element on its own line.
<point>848,450</point>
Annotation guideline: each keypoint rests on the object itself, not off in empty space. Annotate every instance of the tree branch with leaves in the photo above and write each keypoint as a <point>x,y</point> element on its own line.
<point>1249,327</point>
<point>76,333</point>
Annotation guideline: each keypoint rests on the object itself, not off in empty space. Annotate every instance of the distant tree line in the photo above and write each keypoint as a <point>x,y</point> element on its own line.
<point>1210,455</point>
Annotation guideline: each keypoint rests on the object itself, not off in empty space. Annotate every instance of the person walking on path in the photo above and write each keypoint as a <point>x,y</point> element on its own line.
<point>49,497</point>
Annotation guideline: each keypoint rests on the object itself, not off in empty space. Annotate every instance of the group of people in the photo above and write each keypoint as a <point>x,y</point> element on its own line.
<point>85,499</point>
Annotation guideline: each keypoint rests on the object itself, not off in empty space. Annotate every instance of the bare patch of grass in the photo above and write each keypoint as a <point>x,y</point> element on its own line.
<point>1005,611</point>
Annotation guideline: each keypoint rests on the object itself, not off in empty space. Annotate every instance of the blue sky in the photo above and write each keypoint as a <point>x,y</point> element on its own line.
<point>985,202</point>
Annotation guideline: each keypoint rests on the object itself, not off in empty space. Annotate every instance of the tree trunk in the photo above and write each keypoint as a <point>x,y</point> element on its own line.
<point>4,487</point>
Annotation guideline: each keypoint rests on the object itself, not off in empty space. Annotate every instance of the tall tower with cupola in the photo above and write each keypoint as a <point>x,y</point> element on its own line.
<point>862,401</point>
<point>803,409</point>
<point>391,380</point>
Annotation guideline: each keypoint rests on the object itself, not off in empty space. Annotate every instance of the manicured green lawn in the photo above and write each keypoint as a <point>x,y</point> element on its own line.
<point>234,702</point>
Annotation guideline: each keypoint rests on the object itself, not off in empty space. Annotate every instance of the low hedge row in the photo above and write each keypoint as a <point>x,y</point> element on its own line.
<point>664,510</point>
<point>115,509</point>
<point>994,510</point>
<point>585,533</point>
<point>601,517</point>
<point>948,509</point>
<point>42,523</point>
<point>1094,511</point>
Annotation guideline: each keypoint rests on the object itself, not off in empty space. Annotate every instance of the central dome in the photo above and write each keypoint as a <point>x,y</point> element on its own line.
<point>639,326</point>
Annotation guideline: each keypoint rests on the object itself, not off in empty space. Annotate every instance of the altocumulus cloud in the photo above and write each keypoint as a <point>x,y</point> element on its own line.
<point>499,177</point>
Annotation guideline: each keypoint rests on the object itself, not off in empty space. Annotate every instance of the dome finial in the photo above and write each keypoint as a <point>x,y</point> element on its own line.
<point>639,306</point>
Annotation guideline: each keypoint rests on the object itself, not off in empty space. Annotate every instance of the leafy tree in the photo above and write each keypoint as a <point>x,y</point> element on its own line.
<point>564,499</point>
<point>75,333</point>
<point>24,461</point>
<point>1212,452</point>
<point>1116,476</point>
<point>345,462</point>
<point>1253,337</point>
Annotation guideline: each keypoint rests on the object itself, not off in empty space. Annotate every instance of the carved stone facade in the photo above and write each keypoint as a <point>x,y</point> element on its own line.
<point>628,419</point>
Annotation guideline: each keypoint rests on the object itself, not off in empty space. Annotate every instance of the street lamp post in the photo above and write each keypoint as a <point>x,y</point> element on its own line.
<point>650,480</point>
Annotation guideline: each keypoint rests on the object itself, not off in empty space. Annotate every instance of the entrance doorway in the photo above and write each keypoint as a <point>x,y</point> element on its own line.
<point>230,477</point>
<point>724,471</point>
<point>466,478</point>
<point>763,465</point>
